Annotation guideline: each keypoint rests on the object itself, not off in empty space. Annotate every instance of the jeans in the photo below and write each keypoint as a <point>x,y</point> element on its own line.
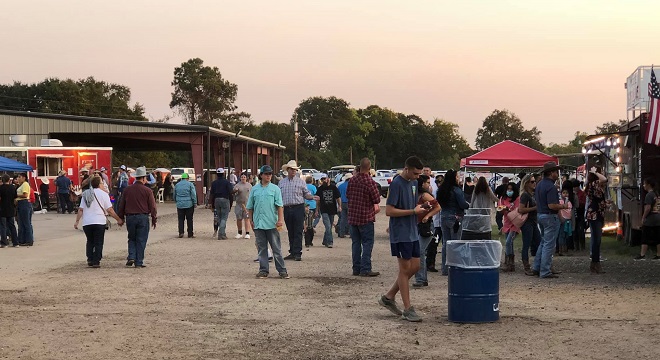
<point>25,235</point>
<point>64,204</point>
<point>262,239</point>
<point>508,247</point>
<point>596,237</point>
<point>343,220</point>
<point>432,250</point>
<point>420,276</point>
<point>222,207</point>
<point>138,233</point>
<point>549,224</point>
<point>294,218</point>
<point>95,234</point>
<point>328,219</point>
<point>187,215</point>
<point>7,227</point>
<point>362,243</point>
<point>530,235</point>
<point>448,233</point>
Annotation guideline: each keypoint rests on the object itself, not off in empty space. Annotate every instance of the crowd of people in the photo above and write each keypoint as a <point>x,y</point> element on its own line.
<point>424,212</point>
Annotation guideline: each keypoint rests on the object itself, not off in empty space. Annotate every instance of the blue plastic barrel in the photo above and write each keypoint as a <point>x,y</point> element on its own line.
<point>473,295</point>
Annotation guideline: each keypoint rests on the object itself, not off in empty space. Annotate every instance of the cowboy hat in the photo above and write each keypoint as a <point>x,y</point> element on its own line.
<point>347,176</point>
<point>291,164</point>
<point>550,166</point>
<point>140,172</point>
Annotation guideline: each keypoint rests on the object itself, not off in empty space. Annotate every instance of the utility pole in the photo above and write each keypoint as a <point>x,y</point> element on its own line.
<point>351,149</point>
<point>296,134</point>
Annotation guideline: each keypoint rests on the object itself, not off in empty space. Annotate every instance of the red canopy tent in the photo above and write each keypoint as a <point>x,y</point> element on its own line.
<point>507,154</point>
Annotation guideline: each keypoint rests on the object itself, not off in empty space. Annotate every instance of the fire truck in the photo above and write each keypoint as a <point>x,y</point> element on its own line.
<point>626,160</point>
<point>51,158</point>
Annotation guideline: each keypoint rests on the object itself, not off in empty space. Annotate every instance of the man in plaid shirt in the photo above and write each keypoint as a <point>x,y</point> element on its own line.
<point>363,195</point>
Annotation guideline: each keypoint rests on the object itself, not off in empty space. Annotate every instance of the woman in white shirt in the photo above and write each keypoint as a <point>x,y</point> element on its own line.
<point>94,205</point>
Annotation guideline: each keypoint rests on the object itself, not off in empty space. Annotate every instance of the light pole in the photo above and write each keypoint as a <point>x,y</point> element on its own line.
<point>295,135</point>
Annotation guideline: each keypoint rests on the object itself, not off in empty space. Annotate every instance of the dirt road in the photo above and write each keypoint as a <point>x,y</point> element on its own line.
<point>199,299</point>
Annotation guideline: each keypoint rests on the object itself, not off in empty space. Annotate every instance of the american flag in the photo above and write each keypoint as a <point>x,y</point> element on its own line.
<point>653,136</point>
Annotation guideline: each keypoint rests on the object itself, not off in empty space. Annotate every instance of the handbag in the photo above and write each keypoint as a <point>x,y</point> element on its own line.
<point>425,228</point>
<point>107,221</point>
<point>517,218</point>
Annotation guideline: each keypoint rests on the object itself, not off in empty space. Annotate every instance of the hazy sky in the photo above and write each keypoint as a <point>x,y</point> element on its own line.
<point>559,65</point>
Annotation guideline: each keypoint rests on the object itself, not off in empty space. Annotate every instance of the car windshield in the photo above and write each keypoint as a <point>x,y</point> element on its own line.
<point>177,171</point>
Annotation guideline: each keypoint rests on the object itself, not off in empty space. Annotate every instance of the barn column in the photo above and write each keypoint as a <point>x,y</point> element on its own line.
<point>197,148</point>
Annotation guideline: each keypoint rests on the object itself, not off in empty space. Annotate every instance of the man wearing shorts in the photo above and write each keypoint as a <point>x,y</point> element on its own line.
<point>241,194</point>
<point>402,209</point>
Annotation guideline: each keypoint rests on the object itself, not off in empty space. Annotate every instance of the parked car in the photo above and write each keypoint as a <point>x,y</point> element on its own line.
<point>176,173</point>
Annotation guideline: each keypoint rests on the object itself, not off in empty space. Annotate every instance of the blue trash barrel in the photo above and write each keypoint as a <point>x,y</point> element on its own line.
<point>474,280</point>
<point>474,295</point>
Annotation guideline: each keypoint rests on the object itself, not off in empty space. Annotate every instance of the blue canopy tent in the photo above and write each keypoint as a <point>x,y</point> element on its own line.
<point>13,165</point>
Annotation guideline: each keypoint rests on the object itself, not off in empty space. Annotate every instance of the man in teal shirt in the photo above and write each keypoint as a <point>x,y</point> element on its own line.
<point>185,196</point>
<point>266,211</point>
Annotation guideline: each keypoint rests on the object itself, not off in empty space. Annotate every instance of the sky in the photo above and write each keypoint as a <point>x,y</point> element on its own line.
<point>560,66</point>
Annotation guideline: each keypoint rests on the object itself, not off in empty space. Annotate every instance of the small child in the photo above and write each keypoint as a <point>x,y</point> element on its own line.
<point>309,226</point>
<point>565,216</point>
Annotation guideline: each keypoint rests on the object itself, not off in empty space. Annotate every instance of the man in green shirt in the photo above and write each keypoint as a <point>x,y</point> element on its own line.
<point>266,211</point>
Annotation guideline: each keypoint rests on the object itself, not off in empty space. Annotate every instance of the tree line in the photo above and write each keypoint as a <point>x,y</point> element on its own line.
<point>330,131</point>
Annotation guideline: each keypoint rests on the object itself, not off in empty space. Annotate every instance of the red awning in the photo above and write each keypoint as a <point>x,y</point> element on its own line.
<point>508,154</point>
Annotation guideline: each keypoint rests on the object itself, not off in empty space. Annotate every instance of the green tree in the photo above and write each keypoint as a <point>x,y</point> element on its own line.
<point>203,97</point>
<point>611,127</point>
<point>503,125</point>
<point>84,97</point>
<point>572,148</point>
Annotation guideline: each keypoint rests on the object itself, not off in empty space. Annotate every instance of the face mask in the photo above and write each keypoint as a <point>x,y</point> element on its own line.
<point>509,193</point>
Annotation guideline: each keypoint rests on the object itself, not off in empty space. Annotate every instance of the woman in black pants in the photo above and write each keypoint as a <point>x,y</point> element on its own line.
<point>94,205</point>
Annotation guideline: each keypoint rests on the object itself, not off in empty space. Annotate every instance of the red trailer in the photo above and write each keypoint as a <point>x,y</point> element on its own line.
<point>48,161</point>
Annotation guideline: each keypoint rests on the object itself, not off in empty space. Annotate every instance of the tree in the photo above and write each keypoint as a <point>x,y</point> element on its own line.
<point>84,97</point>
<point>572,147</point>
<point>503,125</point>
<point>203,97</point>
<point>611,127</point>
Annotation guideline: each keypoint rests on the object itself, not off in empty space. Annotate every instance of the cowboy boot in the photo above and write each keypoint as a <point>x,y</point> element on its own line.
<point>592,267</point>
<point>552,270</point>
<point>505,265</point>
<point>598,269</point>
<point>512,263</point>
<point>526,265</point>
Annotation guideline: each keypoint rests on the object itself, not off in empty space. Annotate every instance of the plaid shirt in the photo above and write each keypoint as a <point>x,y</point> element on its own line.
<point>362,194</point>
<point>294,191</point>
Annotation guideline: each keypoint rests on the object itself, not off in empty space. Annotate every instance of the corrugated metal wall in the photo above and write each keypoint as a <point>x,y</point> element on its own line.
<point>39,128</point>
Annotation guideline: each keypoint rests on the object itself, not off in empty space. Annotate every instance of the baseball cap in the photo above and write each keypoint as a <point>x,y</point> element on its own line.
<point>220,170</point>
<point>184,176</point>
<point>103,168</point>
<point>266,169</point>
<point>123,167</point>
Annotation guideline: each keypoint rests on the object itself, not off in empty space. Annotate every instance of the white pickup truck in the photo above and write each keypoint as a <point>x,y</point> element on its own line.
<point>383,178</point>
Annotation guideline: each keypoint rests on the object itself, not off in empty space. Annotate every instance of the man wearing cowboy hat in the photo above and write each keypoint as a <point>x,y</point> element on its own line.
<point>63,184</point>
<point>547,205</point>
<point>294,192</point>
<point>137,203</point>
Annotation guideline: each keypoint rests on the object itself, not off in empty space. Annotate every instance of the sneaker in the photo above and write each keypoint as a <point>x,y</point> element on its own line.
<point>656,258</point>
<point>420,284</point>
<point>289,257</point>
<point>329,246</point>
<point>284,275</point>
<point>262,275</point>
<point>247,236</point>
<point>370,274</point>
<point>389,305</point>
<point>180,236</point>
<point>297,258</point>
<point>130,262</point>
<point>411,315</point>
<point>640,257</point>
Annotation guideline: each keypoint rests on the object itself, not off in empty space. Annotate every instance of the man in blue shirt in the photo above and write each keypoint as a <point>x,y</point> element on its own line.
<point>220,191</point>
<point>547,207</point>
<point>402,208</point>
<point>266,211</point>
<point>343,216</point>
<point>63,184</point>
<point>185,197</point>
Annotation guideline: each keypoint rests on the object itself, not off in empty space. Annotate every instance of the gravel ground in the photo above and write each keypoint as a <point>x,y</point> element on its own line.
<point>199,299</point>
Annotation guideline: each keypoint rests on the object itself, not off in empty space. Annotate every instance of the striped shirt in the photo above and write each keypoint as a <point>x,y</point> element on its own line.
<point>294,191</point>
